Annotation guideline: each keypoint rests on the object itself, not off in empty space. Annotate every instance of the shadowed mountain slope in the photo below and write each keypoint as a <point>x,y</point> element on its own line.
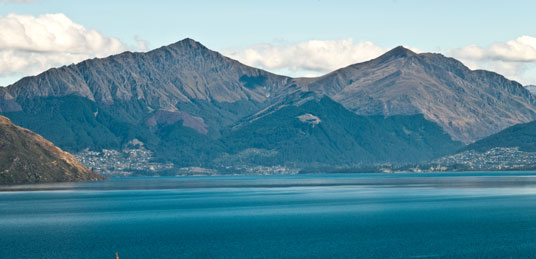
<point>319,132</point>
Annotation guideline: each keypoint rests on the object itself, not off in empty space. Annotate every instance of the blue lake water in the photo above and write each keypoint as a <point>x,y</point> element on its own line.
<point>467,215</point>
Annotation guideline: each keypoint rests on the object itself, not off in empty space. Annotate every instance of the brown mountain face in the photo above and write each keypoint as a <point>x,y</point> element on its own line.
<point>26,157</point>
<point>160,79</point>
<point>467,104</point>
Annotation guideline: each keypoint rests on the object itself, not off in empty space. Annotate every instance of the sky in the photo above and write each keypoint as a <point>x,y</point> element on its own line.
<point>296,38</point>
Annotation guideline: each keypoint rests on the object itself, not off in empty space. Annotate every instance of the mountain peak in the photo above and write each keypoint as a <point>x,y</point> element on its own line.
<point>187,42</point>
<point>398,52</point>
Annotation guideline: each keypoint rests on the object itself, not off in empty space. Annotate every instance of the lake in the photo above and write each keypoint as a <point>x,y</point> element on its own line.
<point>478,214</point>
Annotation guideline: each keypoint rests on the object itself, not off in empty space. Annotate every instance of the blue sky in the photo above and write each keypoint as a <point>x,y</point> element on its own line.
<point>269,28</point>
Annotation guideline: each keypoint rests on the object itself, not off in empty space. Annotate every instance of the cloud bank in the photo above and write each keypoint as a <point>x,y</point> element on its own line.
<point>312,57</point>
<point>522,49</point>
<point>29,45</point>
<point>514,58</point>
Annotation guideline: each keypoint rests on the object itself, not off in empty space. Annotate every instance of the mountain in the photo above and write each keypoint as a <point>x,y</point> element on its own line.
<point>195,107</point>
<point>467,104</point>
<point>521,135</point>
<point>26,157</point>
<point>160,79</point>
<point>104,103</point>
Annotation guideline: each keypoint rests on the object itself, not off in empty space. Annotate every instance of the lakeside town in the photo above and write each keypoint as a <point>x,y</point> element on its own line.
<point>496,159</point>
<point>141,161</point>
<point>124,163</point>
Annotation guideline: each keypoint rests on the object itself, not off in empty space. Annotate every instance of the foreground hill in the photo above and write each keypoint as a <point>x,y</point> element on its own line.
<point>195,107</point>
<point>26,157</point>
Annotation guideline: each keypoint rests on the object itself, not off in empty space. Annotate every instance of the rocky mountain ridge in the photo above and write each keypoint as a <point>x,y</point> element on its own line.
<point>161,78</point>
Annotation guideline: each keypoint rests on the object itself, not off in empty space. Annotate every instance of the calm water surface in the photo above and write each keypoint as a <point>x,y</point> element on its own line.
<point>470,215</point>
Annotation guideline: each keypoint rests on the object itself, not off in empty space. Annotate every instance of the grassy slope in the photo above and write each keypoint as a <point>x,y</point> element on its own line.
<point>26,157</point>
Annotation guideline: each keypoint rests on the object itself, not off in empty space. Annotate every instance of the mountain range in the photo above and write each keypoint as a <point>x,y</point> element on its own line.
<point>195,107</point>
<point>26,157</point>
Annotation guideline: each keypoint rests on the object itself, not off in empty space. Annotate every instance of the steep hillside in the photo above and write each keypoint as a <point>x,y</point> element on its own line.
<point>26,157</point>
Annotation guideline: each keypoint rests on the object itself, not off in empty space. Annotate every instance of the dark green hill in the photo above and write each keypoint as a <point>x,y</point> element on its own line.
<point>322,132</point>
<point>26,157</point>
<point>522,136</point>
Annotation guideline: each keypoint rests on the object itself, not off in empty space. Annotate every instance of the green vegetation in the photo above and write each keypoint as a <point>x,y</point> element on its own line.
<point>341,137</point>
<point>521,135</point>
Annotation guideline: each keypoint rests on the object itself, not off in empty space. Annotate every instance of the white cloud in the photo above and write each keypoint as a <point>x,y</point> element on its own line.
<point>515,59</point>
<point>512,58</point>
<point>143,45</point>
<point>308,58</point>
<point>29,45</point>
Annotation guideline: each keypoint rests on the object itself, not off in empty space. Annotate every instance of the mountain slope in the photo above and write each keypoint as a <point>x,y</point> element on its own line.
<point>468,104</point>
<point>26,157</point>
<point>321,132</point>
